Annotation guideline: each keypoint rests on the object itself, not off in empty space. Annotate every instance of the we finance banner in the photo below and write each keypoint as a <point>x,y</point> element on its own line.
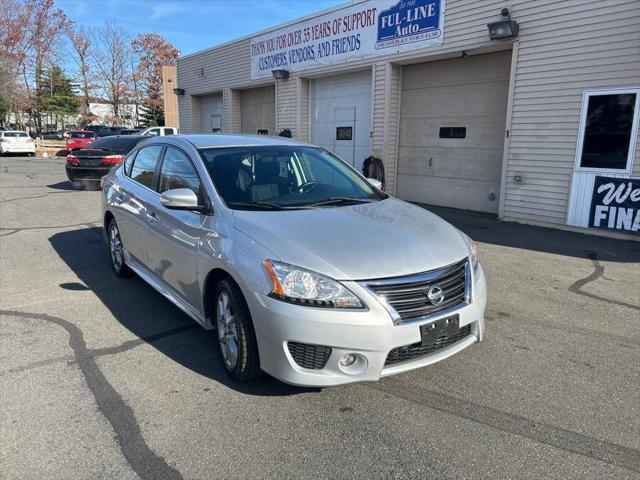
<point>365,30</point>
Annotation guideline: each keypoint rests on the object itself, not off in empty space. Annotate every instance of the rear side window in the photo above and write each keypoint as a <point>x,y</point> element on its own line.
<point>169,131</point>
<point>178,172</point>
<point>144,165</point>
<point>121,145</point>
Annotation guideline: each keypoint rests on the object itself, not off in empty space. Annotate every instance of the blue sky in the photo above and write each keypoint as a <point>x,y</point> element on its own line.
<point>191,25</point>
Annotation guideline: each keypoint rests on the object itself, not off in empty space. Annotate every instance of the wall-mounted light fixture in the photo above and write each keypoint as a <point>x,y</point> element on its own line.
<point>280,74</point>
<point>178,91</point>
<point>504,28</point>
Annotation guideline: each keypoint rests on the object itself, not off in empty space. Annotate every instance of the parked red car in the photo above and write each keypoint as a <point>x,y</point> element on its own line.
<point>79,139</point>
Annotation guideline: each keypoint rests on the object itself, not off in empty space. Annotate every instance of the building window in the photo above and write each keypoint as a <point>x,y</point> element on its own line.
<point>608,130</point>
<point>453,132</point>
<point>344,133</point>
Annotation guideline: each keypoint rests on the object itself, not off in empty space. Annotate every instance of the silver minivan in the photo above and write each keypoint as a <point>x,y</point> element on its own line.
<point>304,268</point>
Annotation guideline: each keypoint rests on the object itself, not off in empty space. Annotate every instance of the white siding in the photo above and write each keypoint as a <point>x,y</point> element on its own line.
<point>592,51</point>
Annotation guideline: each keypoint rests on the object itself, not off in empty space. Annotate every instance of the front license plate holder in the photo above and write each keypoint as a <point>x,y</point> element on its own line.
<point>430,332</point>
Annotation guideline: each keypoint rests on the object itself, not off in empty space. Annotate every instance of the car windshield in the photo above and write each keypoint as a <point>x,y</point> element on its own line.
<point>280,177</point>
<point>81,135</point>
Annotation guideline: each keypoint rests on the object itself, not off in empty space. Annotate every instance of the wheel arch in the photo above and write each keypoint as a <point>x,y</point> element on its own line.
<point>213,278</point>
<point>108,216</point>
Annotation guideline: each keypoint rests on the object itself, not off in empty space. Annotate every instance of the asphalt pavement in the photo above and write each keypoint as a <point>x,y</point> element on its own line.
<point>101,377</point>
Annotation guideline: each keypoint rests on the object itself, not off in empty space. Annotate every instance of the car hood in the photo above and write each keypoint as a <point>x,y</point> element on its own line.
<point>376,240</point>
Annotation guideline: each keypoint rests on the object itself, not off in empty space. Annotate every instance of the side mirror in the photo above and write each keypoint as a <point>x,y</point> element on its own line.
<point>180,199</point>
<point>375,183</point>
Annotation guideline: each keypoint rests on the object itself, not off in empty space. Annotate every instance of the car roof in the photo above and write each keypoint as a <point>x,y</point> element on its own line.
<point>221,140</point>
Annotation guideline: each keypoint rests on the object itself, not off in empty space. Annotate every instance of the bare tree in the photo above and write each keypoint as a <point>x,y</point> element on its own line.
<point>154,52</point>
<point>30,31</point>
<point>82,53</point>
<point>114,63</point>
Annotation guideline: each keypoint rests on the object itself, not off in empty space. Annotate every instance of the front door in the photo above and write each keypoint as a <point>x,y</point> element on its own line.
<point>173,246</point>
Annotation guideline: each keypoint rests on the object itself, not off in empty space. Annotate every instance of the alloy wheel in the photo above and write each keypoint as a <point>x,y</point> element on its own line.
<point>227,330</point>
<point>115,247</point>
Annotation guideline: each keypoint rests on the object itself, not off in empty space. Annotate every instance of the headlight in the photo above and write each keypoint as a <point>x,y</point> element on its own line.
<point>304,287</point>
<point>473,252</point>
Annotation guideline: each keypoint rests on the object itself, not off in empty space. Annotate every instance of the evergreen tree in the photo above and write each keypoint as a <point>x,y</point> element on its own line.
<point>56,93</point>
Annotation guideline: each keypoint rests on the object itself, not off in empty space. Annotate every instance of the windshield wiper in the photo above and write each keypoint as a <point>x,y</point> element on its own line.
<point>339,200</point>
<point>261,205</point>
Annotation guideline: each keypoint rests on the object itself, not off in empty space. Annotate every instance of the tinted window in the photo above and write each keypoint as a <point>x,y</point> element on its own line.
<point>169,131</point>
<point>144,165</point>
<point>344,133</point>
<point>15,134</point>
<point>452,132</point>
<point>120,145</point>
<point>178,172</point>
<point>607,131</point>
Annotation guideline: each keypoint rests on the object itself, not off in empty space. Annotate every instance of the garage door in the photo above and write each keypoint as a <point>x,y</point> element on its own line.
<point>341,115</point>
<point>211,113</point>
<point>258,111</point>
<point>452,127</point>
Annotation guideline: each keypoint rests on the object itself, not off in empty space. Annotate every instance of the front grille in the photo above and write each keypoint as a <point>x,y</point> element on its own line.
<point>309,356</point>
<point>408,295</point>
<point>416,350</point>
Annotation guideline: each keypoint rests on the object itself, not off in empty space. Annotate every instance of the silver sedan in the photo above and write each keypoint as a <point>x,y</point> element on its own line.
<point>305,269</point>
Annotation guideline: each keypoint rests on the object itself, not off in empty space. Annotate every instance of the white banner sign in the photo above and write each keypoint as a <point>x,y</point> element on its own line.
<point>368,29</point>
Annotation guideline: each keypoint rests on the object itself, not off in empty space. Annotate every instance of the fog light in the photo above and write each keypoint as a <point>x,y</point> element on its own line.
<point>347,360</point>
<point>353,363</point>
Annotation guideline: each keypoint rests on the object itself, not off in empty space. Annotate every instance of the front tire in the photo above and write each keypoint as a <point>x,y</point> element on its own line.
<point>236,336</point>
<point>116,250</point>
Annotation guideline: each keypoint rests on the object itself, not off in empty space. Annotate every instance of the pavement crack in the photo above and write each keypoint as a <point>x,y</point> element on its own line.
<point>611,453</point>
<point>598,271</point>
<point>146,463</point>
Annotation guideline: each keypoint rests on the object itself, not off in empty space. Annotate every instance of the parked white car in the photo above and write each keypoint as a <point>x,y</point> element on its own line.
<point>159,131</point>
<point>14,141</point>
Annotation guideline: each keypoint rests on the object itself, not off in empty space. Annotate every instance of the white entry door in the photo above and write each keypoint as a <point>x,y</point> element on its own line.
<point>345,129</point>
<point>341,115</point>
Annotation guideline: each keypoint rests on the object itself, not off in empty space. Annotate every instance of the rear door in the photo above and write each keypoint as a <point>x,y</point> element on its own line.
<point>137,202</point>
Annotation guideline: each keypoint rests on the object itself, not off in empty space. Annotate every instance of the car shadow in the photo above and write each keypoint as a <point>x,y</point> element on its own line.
<point>66,185</point>
<point>149,316</point>
<point>486,228</point>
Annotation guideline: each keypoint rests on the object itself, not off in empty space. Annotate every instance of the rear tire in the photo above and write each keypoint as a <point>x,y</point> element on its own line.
<point>116,250</point>
<point>236,337</point>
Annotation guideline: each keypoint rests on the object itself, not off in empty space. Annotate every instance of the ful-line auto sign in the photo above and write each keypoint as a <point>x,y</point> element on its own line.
<point>365,30</point>
<point>615,204</point>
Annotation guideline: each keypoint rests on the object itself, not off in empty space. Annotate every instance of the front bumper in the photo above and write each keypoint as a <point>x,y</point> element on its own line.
<point>85,173</point>
<point>370,333</point>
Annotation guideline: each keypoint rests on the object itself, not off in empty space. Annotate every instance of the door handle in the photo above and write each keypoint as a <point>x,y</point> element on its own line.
<point>151,217</point>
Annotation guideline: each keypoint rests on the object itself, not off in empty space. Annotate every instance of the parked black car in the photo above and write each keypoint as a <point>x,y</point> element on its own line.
<point>130,131</point>
<point>51,135</point>
<point>103,130</point>
<point>93,162</point>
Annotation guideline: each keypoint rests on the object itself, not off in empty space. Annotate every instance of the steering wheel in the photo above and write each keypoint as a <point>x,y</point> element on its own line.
<point>308,186</point>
